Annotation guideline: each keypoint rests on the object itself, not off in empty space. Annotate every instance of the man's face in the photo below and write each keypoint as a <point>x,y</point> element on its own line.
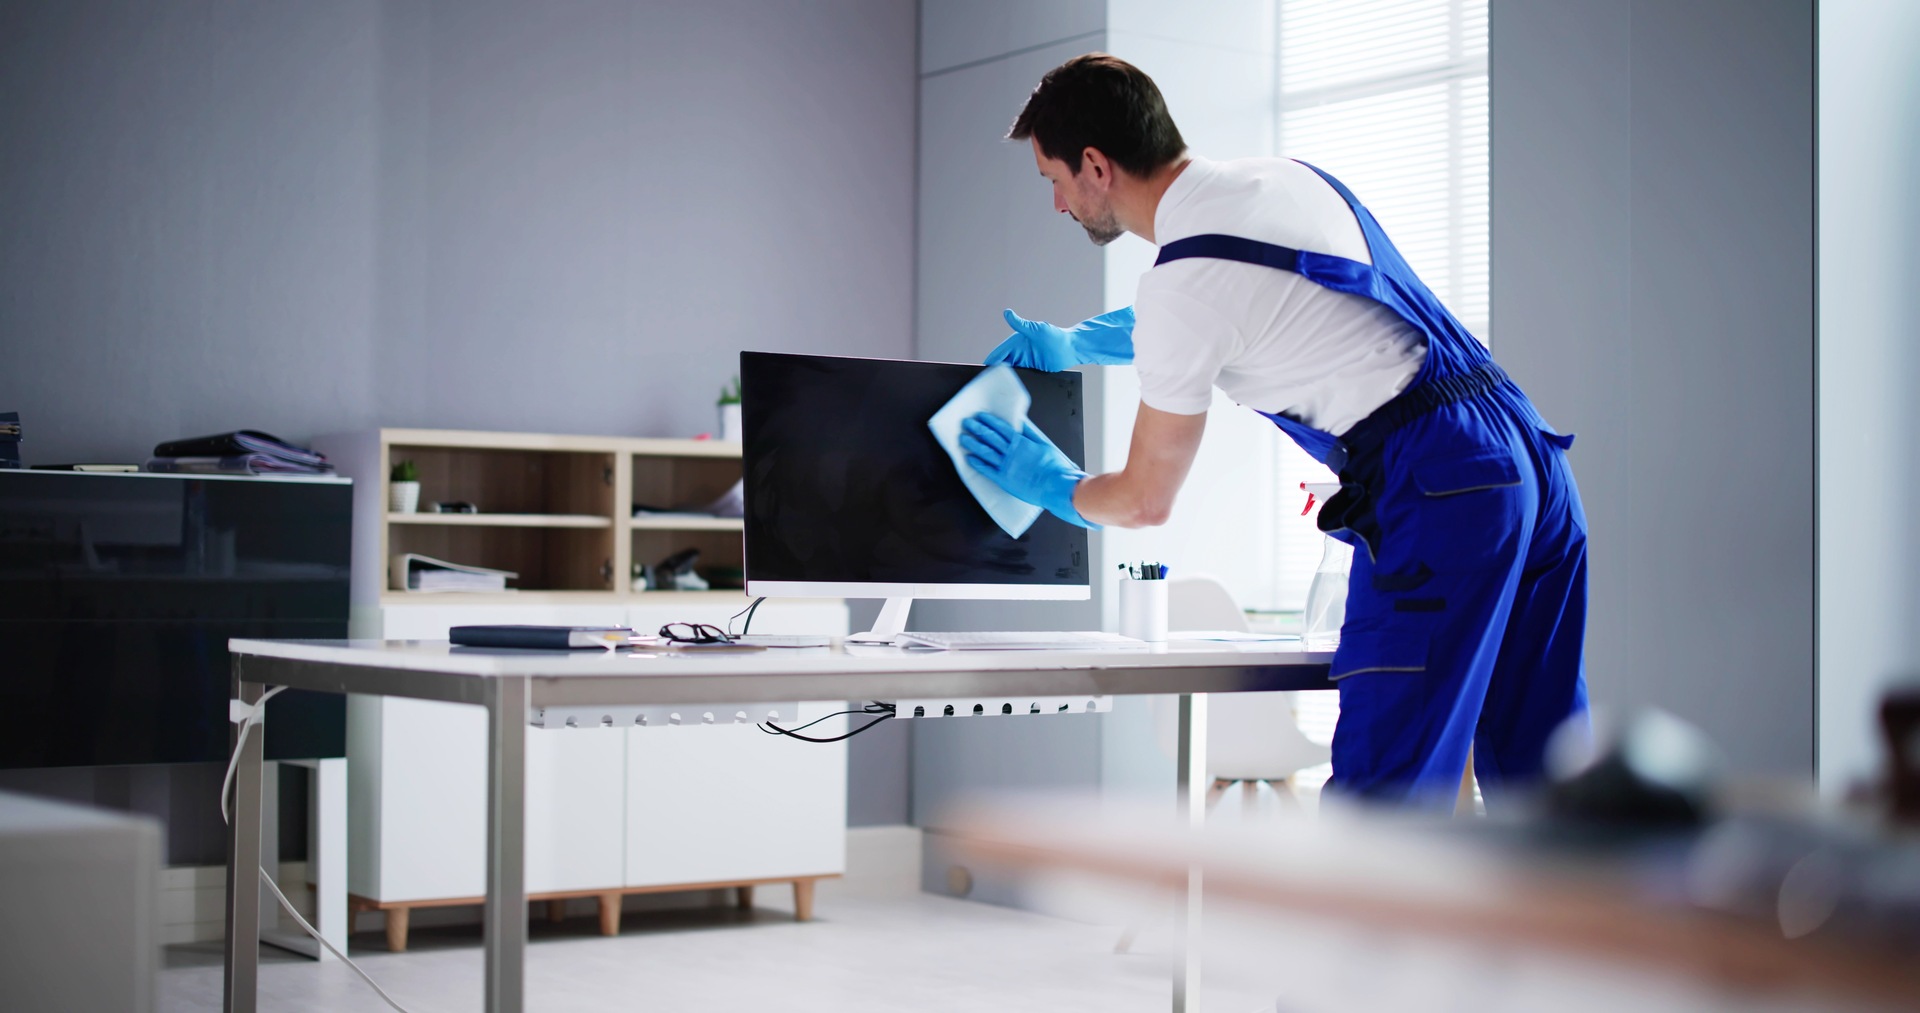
<point>1081,195</point>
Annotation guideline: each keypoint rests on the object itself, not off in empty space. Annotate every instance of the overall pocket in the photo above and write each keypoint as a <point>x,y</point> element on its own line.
<point>1456,474</point>
<point>1363,651</point>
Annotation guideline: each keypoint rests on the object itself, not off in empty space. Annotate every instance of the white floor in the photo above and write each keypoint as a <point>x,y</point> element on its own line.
<point>910,951</point>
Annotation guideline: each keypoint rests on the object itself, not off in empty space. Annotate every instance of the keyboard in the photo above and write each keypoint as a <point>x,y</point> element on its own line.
<point>1069,641</point>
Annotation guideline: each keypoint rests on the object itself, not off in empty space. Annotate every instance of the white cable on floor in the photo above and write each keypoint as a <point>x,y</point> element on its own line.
<point>249,715</point>
<point>287,906</point>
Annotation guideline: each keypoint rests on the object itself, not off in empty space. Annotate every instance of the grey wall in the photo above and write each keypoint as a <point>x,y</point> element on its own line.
<point>310,217</point>
<point>1869,369</point>
<point>315,217</point>
<point>988,239</point>
<point>1652,241</point>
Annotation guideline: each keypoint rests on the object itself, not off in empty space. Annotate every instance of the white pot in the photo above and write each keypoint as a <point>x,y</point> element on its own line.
<point>730,422</point>
<point>403,497</point>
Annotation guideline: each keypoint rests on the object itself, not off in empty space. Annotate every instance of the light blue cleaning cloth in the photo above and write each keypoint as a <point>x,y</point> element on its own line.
<point>997,391</point>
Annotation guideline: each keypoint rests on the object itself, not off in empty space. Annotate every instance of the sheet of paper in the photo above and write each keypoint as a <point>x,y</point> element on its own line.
<point>1231,636</point>
<point>998,391</point>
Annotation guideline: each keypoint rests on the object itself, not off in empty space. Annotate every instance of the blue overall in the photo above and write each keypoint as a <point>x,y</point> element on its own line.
<point>1467,602</point>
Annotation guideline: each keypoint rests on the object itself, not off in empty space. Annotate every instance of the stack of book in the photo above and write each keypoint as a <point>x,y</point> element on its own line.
<point>243,452</point>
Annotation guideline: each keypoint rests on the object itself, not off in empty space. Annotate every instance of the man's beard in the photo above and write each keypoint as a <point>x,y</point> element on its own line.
<point>1103,229</point>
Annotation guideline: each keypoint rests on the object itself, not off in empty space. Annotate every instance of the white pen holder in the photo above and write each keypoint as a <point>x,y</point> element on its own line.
<point>1143,609</point>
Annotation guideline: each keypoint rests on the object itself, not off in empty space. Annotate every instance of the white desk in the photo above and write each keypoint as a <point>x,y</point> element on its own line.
<point>512,684</point>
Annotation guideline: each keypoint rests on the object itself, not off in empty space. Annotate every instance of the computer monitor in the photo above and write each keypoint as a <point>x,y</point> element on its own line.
<point>848,494</point>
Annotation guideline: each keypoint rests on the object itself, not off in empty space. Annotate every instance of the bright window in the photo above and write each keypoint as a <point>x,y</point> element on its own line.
<point>1390,97</point>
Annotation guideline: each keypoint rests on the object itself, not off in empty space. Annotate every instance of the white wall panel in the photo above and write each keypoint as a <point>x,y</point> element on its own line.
<point>1869,369</point>
<point>1652,243</point>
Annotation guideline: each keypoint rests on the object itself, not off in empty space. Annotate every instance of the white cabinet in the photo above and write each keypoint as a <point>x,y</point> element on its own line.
<point>607,808</point>
<point>750,809</point>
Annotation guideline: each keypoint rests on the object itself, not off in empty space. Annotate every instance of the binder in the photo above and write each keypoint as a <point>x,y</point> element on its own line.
<point>411,571</point>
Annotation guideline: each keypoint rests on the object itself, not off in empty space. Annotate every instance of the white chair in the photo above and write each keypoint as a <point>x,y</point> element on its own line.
<point>1252,738</point>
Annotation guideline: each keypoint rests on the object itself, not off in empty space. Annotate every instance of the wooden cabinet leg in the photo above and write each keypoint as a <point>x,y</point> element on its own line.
<point>556,911</point>
<point>609,914</point>
<point>744,896</point>
<point>397,929</point>
<point>803,900</point>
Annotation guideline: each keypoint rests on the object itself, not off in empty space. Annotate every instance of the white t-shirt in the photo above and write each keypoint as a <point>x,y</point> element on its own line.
<point>1270,339</point>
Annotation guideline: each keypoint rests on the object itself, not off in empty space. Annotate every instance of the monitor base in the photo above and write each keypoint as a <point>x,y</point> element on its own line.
<point>888,625</point>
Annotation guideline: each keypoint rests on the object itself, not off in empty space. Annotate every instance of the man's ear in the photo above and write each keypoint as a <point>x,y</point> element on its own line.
<point>1095,165</point>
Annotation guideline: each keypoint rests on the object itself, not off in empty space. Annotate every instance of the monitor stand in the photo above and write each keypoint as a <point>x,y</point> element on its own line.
<point>888,625</point>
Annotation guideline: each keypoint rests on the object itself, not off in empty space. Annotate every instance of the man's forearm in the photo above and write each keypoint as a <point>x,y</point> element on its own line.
<point>1112,499</point>
<point>1141,494</point>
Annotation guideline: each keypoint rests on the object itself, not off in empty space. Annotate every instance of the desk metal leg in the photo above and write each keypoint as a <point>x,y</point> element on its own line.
<point>242,979</point>
<point>506,910</point>
<point>1192,760</point>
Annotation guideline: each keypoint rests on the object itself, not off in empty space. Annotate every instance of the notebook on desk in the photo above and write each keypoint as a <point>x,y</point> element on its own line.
<point>548,638</point>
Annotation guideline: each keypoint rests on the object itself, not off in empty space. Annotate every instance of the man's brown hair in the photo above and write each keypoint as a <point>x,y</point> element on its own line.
<point>1100,101</point>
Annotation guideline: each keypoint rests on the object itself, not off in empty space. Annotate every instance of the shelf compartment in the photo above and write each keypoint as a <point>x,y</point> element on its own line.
<point>506,482</point>
<point>546,558</point>
<point>681,483</point>
<point>717,548</point>
<point>504,520</point>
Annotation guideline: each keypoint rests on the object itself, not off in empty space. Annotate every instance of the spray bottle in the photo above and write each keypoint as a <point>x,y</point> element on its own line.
<point>1327,595</point>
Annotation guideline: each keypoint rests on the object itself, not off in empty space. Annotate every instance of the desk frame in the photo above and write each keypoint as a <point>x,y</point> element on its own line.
<point>509,699</point>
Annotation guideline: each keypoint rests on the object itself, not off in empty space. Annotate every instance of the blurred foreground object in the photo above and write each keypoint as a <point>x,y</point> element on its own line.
<point>1656,773</point>
<point>79,889</point>
<point>1741,908</point>
<point>1900,722</point>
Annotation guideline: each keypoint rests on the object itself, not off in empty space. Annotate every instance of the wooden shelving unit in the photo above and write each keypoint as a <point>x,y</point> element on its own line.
<point>557,510</point>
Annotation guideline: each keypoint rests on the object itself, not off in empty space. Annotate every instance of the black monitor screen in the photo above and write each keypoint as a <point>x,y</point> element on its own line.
<point>846,484</point>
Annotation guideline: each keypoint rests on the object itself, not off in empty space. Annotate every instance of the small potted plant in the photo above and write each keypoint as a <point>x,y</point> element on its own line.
<point>403,488</point>
<point>730,411</point>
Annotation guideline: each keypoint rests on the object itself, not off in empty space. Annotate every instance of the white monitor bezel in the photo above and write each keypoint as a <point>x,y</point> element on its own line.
<point>882,589</point>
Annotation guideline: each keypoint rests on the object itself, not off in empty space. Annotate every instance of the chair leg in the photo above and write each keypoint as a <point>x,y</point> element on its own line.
<point>609,914</point>
<point>397,929</point>
<point>1249,793</point>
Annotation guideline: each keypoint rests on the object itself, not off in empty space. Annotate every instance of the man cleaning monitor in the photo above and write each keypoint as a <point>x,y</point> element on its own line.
<point>1467,604</point>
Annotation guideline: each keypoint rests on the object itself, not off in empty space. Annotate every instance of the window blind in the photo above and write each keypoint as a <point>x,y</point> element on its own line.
<point>1390,96</point>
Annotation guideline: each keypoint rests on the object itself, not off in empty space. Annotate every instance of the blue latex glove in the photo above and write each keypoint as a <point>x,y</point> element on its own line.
<point>1026,464</point>
<point>1105,340</point>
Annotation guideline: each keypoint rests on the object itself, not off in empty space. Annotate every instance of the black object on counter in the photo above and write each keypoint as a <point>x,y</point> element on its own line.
<point>118,594</point>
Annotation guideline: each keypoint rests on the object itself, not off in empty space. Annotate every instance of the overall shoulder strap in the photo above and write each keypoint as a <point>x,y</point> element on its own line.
<point>1237,248</point>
